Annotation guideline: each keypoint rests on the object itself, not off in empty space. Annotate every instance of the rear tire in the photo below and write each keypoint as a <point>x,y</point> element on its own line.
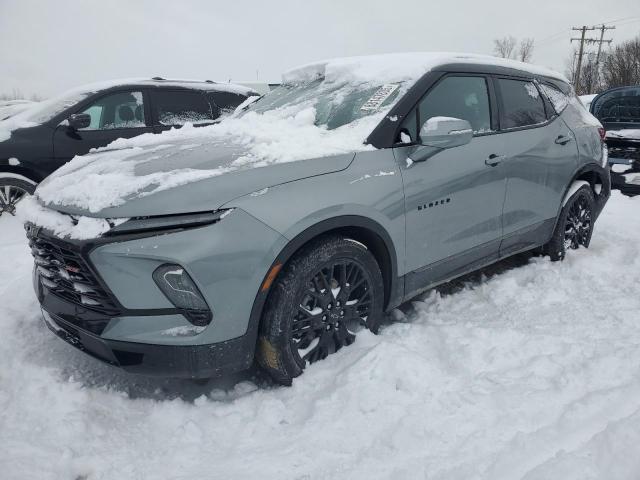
<point>329,290</point>
<point>575,225</point>
<point>12,191</point>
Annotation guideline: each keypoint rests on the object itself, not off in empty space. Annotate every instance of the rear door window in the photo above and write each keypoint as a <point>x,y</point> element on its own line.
<point>225,102</point>
<point>522,104</point>
<point>177,107</point>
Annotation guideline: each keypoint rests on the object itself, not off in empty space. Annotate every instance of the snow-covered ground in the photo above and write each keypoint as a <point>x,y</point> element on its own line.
<point>531,370</point>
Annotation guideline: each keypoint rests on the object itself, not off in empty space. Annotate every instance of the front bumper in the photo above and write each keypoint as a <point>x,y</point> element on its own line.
<point>197,361</point>
<point>134,326</point>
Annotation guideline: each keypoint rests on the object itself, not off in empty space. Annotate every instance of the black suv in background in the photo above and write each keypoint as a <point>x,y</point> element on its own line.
<point>618,109</point>
<point>37,141</point>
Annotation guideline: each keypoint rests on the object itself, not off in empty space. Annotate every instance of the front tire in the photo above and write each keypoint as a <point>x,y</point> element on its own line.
<point>324,295</point>
<point>12,190</point>
<point>575,225</point>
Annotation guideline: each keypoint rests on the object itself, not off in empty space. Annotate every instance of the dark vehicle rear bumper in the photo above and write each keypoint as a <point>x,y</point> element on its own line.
<point>192,361</point>
<point>618,182</point>
<point>605,193</point>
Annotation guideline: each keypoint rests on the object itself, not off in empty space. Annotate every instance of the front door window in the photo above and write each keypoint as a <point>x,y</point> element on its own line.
<point>117,110</point>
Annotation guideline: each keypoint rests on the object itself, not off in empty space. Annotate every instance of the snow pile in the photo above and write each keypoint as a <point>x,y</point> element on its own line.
<point>115,173</point>
<point>530,371</point>
<point>64,226</point>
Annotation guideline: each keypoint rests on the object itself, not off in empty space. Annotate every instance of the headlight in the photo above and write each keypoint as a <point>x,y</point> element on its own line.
<point>182,291</point>
<point>168,222</point>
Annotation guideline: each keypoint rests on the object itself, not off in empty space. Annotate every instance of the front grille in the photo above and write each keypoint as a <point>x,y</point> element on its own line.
<point>65,274</point>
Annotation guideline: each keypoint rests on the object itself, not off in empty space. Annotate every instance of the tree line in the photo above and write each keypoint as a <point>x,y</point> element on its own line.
<point>617,67</point>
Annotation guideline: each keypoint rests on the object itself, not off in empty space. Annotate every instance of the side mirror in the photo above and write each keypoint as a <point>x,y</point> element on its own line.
<point>439,133</point>
<point>445,132</point>
<point>79,121</point>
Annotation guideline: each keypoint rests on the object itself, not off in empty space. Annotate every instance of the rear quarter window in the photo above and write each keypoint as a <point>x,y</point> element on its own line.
<point>558,99</point>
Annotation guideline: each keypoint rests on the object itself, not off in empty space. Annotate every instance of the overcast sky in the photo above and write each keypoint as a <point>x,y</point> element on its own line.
<point>48,46</point>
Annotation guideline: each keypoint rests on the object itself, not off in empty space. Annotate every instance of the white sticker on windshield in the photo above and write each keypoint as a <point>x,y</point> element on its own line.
<point>379,97</point>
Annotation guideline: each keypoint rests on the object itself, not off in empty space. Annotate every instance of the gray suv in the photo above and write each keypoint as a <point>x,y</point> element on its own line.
<point>398,173</point>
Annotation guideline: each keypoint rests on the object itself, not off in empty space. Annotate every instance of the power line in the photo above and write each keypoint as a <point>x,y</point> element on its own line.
<point>558,35</point>
<point>584,40</point>
<point>614,22</point>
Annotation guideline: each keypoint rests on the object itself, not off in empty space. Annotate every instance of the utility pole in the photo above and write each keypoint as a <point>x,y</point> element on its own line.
<point>584,40</point>
<point>601,41</point>
<point>584,29</point>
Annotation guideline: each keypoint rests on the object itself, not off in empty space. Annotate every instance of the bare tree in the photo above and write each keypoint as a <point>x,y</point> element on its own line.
<point>526,49</point>
<point>504,47</point>
<point>621,66</point>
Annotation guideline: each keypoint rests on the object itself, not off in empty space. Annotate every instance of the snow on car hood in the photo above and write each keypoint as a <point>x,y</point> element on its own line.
<point>141,176</point>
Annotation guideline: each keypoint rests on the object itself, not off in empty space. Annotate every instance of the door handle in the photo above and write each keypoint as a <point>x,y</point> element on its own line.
<point>562,140</point>
<point>494,159</point>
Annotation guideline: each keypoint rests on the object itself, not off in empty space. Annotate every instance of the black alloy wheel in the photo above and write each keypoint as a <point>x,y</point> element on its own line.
<point>577,230</point>
<point>329,290</point>
<point>333,307</point>
<point>12,191</point>
<point>574,226</point>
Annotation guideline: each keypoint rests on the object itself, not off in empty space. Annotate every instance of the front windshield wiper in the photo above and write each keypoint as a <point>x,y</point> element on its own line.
<point>252,102</point>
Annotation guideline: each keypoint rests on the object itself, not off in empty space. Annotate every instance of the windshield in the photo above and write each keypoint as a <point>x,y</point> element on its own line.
<point>335,105</point>
<point>44,111</point>
<point>618,106</point>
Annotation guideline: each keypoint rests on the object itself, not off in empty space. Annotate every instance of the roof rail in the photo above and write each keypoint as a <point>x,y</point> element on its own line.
<point>157,78</point>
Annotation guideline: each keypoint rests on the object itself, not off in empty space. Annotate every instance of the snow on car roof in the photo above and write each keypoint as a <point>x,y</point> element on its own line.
<point>398,67</point>
<point>156,81</point>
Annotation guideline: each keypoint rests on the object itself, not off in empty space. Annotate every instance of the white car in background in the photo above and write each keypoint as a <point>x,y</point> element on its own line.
<point>587,99</point>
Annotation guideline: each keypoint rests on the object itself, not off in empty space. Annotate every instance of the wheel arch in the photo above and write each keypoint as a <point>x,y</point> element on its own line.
<point>16,171</point>
<point>362,229</point>
<point>591,173</point>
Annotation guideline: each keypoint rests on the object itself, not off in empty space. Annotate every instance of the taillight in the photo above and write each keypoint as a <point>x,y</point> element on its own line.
<point>603,133</point>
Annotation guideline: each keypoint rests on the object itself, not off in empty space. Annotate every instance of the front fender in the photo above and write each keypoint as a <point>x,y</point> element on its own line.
<point>370,190</point>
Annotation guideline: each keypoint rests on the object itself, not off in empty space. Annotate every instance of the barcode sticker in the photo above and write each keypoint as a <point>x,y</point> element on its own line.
<point>379,97</point>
